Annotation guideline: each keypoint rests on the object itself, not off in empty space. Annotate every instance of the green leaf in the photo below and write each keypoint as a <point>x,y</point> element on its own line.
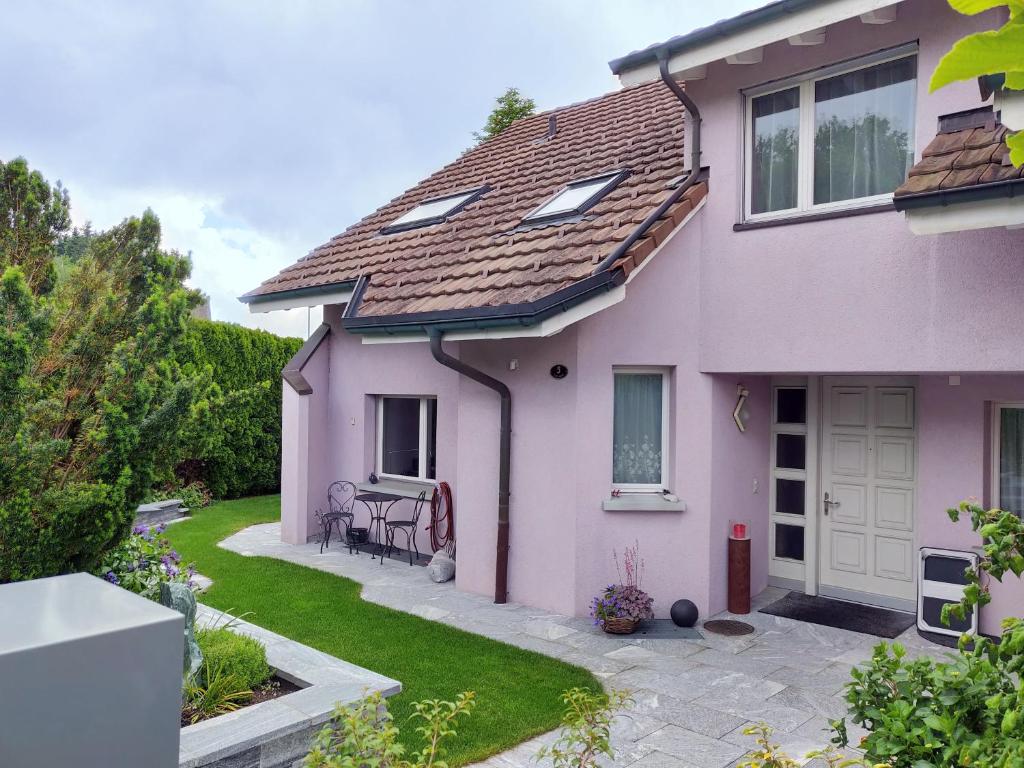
<point>1016,145</point>
<point>971,7</point>
<point>984,53</point>
<point>1014,81</point>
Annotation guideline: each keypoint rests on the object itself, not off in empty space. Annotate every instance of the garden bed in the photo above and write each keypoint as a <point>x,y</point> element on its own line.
<point>278,731</point>
<point>274,688</point>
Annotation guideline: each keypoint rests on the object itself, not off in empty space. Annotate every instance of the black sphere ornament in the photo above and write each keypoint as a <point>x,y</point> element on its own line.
<point>683,613</point>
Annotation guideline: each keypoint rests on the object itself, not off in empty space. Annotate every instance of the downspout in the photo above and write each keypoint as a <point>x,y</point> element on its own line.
<point>504,454</point>
<point>677,194</point>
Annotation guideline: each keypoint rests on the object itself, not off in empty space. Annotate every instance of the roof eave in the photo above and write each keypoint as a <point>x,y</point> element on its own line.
<point>749,31</point>
<point>946,197</point>
<point>524,315</point>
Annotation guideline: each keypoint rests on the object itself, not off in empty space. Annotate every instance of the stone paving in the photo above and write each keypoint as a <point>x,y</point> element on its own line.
<point>693,698</point>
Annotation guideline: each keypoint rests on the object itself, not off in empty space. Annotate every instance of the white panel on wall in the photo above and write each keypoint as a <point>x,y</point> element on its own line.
<point>895,407</point>
<point>894,508</point>
<point>848,554</point>
<point>852,500</point>
<point>895,457</point>
<point>850,406</point>
<point>850,455</point>
<point>894,558</point>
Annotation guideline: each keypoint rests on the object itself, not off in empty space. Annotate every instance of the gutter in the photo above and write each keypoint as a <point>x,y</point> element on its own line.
<point>694,119</point>
<point>479,318</point>
<point>942,198</point>
<point>717,31</point>
<point>504,454</point>
<point>295,293</point>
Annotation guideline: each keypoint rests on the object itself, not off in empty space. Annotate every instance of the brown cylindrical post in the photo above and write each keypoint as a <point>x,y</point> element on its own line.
<point>739,575</point>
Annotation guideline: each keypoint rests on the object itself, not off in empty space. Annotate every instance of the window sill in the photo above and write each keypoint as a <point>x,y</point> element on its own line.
<point>409,489</point>
<point>803,218</point>
<point>642,502</point>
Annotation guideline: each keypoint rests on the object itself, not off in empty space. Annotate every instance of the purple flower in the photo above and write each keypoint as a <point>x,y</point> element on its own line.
<point>111,577</point>
<point>138,530</point>
<point>161,528</point>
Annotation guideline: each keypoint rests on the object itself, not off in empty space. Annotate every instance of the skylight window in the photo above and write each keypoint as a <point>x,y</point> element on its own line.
<point>433,211</point>
<point>576,198</point>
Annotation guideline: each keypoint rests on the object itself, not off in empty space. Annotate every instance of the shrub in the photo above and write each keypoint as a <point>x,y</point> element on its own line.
<point>365,734</point>
<point>585,737</point>
<point>234,447</point>
<point>233,654</point>
<point>195,495</point>
<point>142,561</point>
<point>968,710</point>
<point>768,754</point>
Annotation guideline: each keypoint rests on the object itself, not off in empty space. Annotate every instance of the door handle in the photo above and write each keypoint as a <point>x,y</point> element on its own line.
<point>829,503</point>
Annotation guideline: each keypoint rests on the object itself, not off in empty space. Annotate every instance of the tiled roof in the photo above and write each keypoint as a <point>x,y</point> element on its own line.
<point>969,152</point>
<point>483,256</point>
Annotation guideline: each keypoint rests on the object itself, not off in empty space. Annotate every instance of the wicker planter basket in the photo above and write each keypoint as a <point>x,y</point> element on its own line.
<point>620,626</point>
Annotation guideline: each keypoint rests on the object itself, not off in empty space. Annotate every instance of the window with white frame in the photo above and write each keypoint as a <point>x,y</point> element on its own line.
<point>640,434</point>
<point>407,437</point>
<point>1008,457</point>
<point>842,137</point>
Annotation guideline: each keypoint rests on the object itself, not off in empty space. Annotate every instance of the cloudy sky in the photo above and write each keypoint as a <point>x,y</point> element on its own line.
<point>258,130</point>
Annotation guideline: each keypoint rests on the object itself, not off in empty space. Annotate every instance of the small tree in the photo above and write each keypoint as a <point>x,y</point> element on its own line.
<point>508,108</point>
<point>994,52</point>
<point>92,403</point>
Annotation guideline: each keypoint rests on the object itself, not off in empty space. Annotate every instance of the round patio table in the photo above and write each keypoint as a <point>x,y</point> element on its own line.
<point>375,501</point>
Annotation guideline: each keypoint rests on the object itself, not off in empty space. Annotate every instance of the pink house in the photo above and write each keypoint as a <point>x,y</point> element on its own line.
<point>620,321</point>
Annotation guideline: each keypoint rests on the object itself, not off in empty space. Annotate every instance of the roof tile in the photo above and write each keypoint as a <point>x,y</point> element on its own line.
<point>479,257</point>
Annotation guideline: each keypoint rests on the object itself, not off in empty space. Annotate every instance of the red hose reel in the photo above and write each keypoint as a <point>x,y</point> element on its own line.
<point>442,520</point>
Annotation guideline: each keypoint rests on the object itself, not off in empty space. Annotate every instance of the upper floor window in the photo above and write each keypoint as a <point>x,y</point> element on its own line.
<point>842,137</point>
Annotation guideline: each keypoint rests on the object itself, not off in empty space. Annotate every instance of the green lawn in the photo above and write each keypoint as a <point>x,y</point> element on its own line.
<point>517,691</point>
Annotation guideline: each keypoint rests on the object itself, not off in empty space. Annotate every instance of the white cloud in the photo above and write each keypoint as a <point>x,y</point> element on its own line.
<point>257,131</point>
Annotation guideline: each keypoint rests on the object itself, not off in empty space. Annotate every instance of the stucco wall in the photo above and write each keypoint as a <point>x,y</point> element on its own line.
<point>304,467</point>
<point>857,294</point>
<point>953,467</point>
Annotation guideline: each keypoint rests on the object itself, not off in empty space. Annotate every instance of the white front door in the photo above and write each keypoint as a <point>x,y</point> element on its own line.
<point>868,475</point>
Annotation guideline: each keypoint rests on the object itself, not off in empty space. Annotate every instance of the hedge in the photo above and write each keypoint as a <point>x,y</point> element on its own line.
<point>236,448</point>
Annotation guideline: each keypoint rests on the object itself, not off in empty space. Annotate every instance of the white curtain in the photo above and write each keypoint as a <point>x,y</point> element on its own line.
<point>1011,460</point>
<point>864,127</point>
<point>636,454</point>
<point>776,128</point>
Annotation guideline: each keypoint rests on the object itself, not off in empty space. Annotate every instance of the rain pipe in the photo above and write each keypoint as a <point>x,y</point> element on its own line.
<point>677,194</point>
<point>504,453</point>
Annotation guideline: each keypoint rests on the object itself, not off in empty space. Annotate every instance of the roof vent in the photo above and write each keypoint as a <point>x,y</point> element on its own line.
<point>552,124</point>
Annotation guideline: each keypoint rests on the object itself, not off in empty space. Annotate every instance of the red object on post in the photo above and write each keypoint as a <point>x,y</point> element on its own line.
<point>739,573</point>
<point>739,531</point>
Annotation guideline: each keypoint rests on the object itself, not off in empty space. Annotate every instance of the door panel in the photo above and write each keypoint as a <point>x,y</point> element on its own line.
<point>869,470</point>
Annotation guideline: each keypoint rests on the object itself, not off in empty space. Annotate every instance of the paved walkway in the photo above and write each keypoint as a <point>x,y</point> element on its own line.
<point>693,698</point>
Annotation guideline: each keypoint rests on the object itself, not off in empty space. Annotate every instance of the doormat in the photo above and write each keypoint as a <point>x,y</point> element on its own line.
<point>665,629</point>
<point>728,627</point>
<point>866,619</point>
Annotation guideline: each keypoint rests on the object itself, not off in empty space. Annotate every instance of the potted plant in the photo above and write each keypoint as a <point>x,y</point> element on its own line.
<point>621,607</point>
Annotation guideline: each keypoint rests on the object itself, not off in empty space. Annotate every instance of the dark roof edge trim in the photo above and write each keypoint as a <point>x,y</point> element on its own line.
<point>315,290</point>
<point>478,318</point>
<point>716,31</point>
<point>944,197</point>
<point>292,371</point>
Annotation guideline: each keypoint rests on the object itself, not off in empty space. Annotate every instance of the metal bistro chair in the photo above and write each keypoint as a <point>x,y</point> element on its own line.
<point>341,496</point>
<point>408,527</point>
